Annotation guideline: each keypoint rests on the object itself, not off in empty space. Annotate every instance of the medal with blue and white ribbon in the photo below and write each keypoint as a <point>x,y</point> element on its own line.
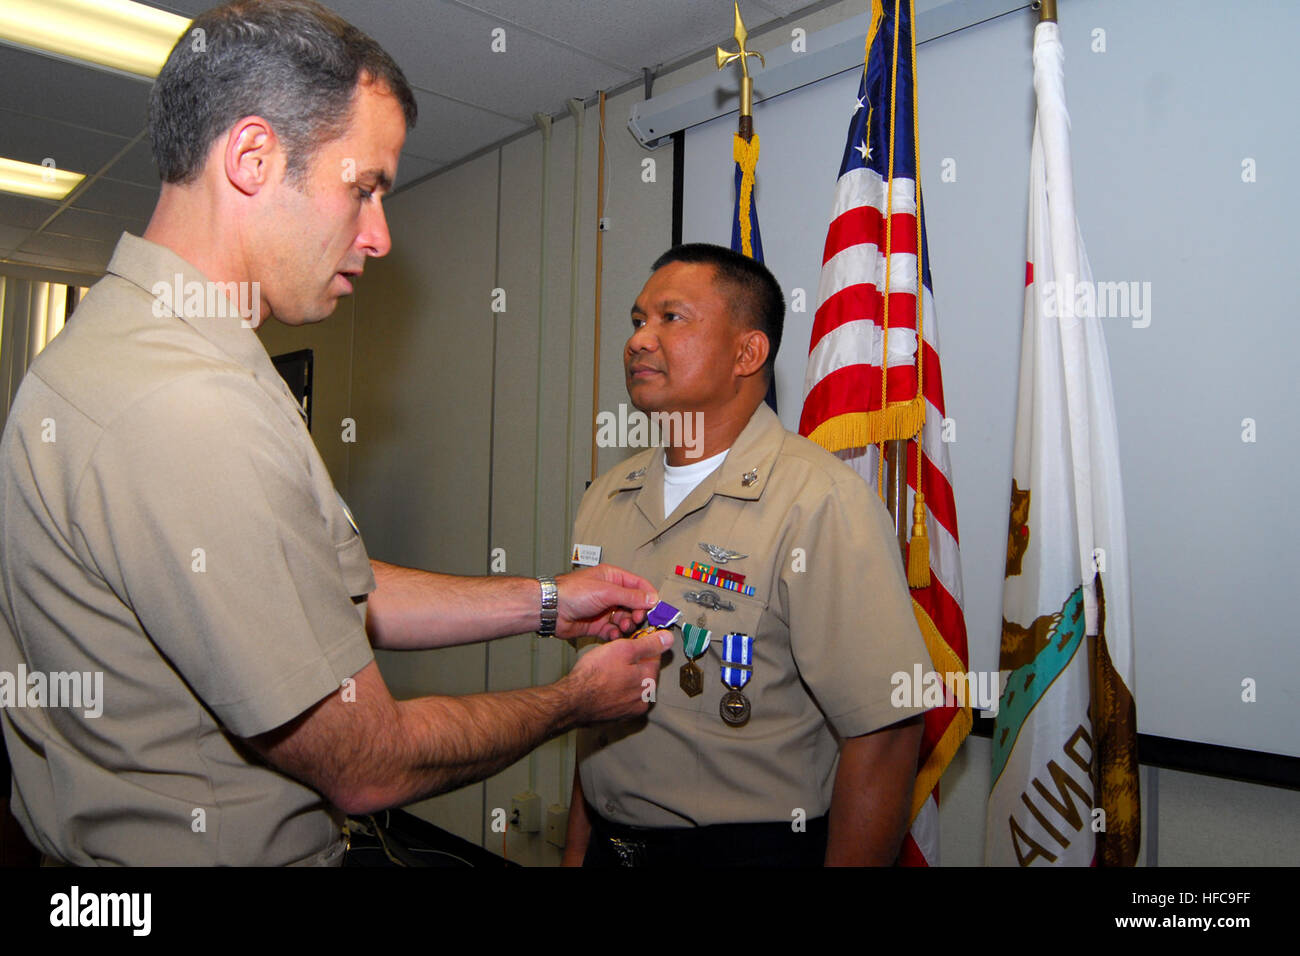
<point>737,669</point>
<point>695,641</point>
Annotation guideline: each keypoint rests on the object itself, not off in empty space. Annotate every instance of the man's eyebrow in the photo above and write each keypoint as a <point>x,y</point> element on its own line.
<point>381,178</point>
<point>663,304</point>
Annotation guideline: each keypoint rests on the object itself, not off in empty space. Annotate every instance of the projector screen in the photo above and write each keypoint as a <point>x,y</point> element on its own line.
<point>1184,192</point>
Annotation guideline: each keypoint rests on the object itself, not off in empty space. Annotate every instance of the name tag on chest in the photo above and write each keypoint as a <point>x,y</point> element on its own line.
<point>586,555</point>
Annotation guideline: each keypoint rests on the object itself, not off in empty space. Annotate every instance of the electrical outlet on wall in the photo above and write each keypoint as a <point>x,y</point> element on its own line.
<point>527,811</point>
<point>557,824</point>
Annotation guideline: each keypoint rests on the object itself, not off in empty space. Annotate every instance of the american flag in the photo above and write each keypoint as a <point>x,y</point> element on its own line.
<point>864,339</point>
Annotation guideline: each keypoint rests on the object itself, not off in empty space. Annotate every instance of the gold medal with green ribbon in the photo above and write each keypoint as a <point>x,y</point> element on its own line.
<point>695,641</point>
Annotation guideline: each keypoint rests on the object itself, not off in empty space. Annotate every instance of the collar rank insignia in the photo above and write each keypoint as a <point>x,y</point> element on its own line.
<point>721,555</point>
<point>634,475</point>
<point>749,478</point>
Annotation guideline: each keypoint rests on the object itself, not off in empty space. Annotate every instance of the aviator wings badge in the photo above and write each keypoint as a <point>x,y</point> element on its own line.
<point>721,555</point>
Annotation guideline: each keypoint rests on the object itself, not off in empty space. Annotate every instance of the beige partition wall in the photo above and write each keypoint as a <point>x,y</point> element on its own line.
<point>536,485</point>
<point>422,400</point>
<point>428,410</point>
<point>331,344</point>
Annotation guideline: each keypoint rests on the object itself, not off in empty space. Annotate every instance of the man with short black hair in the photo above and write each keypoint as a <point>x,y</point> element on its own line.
<point>167,523</point>
<point>756,298</point>
<point>773,739</point>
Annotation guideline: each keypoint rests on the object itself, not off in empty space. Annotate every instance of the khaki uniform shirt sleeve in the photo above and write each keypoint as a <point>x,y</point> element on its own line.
<point>200,511</point>
<point>850,612</point>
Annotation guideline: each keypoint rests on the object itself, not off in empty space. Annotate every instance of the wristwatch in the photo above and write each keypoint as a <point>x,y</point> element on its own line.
<point>550,605</point>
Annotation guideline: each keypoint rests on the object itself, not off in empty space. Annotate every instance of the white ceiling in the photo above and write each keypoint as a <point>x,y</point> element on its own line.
<point>93,121</point>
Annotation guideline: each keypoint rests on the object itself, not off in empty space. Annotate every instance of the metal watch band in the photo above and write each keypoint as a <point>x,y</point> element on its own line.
<point>550,605</point>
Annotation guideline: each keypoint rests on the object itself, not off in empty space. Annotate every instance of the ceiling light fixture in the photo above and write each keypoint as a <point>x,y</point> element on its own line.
<point>43,182</point>
<point>119,35</point>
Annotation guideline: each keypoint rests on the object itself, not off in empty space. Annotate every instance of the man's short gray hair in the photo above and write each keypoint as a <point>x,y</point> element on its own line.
<point>292,62</point>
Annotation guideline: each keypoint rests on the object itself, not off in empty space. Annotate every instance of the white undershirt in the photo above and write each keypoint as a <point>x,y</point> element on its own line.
<point>681,480</point>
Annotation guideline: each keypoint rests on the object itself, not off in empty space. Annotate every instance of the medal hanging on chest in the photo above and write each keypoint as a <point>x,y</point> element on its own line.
<point>737,669</point>
<point>695,641</point>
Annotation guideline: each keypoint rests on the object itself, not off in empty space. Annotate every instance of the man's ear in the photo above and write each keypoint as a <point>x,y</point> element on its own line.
<point>252,154</point>
<point>754,349</point>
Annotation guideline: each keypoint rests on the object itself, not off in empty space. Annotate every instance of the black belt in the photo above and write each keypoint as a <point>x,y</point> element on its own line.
<point>723,844</point>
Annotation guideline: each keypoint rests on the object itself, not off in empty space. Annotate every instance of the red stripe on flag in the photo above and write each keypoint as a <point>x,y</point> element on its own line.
<point>863,224</point>
<point>946,614</point>
<point>854,388</point>
<point>910,854</point>
<point>933,377</point>
<point>948,619</point>
<point>861,301</point>
<point>857,225</point>
<point>938,492</point>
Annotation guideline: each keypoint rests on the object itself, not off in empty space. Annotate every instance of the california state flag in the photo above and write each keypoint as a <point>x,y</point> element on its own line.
<point>1065,786</point>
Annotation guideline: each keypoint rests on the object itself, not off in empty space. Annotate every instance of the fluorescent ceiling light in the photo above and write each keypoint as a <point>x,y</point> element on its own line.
<point>118,34</point>
<point>44,182</point>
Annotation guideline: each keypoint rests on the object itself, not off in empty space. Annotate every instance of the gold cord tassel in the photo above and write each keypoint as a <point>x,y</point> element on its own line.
<point>746,154</point>
<point>918,553</point>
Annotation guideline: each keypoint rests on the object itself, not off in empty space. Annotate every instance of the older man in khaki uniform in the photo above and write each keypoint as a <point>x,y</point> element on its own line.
<point>777,744</point>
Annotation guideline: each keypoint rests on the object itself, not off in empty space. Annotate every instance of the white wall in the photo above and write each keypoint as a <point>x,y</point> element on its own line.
<point>1158,147</point>
<point>1158,143</point>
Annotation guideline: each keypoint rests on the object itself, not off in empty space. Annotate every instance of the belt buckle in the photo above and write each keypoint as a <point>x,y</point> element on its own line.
<point>629,852</point>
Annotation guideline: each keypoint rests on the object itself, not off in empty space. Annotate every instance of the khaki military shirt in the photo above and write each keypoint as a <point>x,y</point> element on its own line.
<point>167,524</point>
<point>831,619</point>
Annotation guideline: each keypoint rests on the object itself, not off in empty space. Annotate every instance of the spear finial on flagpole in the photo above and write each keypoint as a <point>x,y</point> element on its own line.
<point>724,57</point>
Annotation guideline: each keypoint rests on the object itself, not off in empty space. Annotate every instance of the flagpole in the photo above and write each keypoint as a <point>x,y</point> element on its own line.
<point>896,489</point>
<point>742,53</point>
<point>745,237</point>
<point>600,268</point>
<point>1046,10</point>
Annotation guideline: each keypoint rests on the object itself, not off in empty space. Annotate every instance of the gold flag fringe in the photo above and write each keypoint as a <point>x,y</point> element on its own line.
<point>944,661</point>
<point>860,429</point>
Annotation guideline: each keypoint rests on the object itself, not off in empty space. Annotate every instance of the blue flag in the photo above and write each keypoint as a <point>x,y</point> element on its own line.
<point>745,235</point>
